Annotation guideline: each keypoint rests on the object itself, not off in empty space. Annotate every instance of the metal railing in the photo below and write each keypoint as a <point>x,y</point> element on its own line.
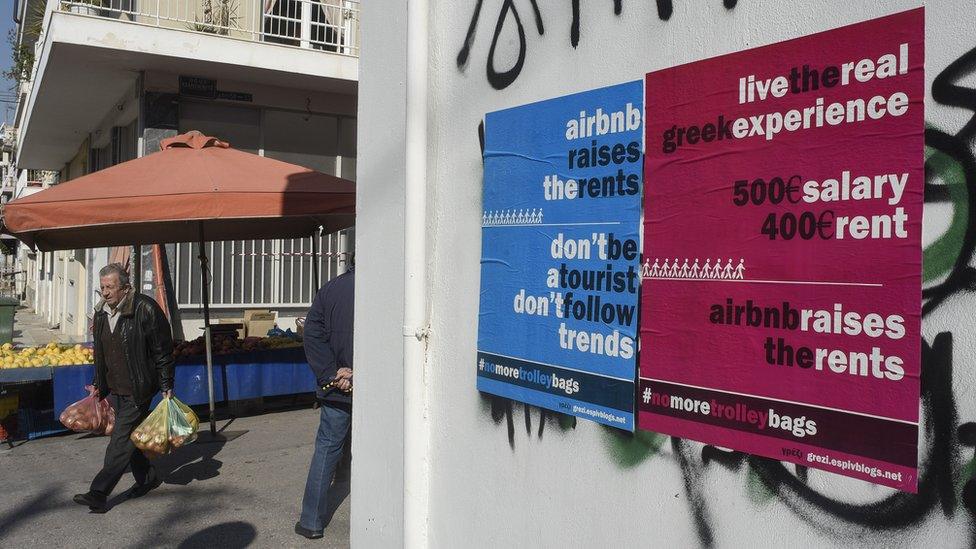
<point>39,178</point>
<point>11,277</point>
<point>267,273</point>
<point>327,25</point>
<point>9,135</point>
<point>8,179</point>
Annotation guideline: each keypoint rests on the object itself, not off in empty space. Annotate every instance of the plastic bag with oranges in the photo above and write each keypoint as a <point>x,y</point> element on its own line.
<point>90,415</point>
<point>170,425</point>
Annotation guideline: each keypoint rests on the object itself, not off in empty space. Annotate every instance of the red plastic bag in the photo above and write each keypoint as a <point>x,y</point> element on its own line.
<point>90,415</point>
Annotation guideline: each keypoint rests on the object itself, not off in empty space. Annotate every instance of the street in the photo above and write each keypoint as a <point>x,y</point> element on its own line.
<point>245,492</point>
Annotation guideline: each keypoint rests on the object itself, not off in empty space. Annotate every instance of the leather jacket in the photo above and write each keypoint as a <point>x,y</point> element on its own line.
<point>147,342</point>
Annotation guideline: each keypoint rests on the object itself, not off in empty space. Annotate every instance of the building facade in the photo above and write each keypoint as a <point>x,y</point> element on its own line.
<point>111,79</point>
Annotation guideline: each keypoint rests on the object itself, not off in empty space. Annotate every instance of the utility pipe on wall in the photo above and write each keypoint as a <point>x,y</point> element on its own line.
<point>415,322</point>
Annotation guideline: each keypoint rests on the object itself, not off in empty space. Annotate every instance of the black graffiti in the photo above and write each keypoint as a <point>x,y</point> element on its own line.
<point>502,79</point>
<point>967,437</point>
<point>462,56</point>
<point>574,27</point>
<point>946,92</point>
<point>481,139</point>
<point>936,478</point>
<point>504,409</point>
<point>665,8</point>
<point>944,439</point>
<point>962,277</point>
<point>692,473</point>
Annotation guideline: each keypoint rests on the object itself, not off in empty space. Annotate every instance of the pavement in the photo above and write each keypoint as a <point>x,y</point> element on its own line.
<point>31,330</point>
<point>245,492</point>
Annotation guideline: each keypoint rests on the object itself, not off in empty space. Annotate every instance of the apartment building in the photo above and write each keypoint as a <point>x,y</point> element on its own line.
<point>111,78</point>
<point>8,181</point>
<point>8,169</point>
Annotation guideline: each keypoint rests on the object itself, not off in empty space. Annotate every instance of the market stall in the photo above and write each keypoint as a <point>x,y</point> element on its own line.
<point>246,369</point>
<point>26,373</point>
<point>197,188</point>
<point>237,376</point>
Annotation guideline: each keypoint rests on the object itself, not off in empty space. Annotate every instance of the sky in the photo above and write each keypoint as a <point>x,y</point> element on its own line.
<point>6,24</point>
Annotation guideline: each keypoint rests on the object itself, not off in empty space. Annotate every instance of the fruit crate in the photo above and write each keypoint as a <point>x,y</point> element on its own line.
<point>35,415</point>
<point>8,428</point>
<point>35,423</point>
<point>8,416</point>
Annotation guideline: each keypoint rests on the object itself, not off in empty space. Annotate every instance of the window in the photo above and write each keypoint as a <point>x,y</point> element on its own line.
<point>239,126</point>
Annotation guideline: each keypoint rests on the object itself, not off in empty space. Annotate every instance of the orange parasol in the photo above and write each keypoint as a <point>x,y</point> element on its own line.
<point>196,188</point>
<point>195,183</point>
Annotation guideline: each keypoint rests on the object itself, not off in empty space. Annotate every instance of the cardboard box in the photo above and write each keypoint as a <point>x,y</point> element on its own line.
<point>258,323</point>
<point>248,313</point>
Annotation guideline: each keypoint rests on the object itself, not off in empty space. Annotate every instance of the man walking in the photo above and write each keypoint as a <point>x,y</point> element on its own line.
<point>328,348</point>
<point>133,361</point>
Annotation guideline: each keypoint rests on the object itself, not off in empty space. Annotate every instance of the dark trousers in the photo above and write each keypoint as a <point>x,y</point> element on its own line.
<point>121,453</point>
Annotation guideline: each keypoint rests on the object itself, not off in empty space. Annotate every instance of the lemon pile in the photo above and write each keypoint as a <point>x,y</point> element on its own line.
<point>51,354</point>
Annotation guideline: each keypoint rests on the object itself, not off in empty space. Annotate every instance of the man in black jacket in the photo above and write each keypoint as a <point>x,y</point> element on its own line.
<point>133,361</point>
<point>328,348</point>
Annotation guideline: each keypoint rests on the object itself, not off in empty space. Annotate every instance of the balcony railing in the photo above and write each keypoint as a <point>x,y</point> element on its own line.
<point>9,136</point>
<point>8,183</point>
<point>327,25</point>
<point>35,178</point>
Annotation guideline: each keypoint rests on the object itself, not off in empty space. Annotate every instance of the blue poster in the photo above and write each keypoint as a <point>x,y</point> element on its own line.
<point>560,256</point>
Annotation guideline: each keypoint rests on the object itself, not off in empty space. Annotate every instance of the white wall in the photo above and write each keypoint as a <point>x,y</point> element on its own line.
<point>505,475</point>
<point>377,423</point>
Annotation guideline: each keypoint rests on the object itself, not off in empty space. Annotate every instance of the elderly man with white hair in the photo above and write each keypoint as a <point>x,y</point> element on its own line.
<point>133,361</point>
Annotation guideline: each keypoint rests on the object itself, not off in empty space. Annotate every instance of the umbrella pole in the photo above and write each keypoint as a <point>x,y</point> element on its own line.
<point>205,295</point>
<point>315,261</point>
<point>137,268</point>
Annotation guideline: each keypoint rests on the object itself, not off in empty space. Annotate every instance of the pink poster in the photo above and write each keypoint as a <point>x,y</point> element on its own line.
<point>781,294</point>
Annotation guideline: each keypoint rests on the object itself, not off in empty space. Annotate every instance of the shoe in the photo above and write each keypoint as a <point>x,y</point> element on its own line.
<point>306,533</point>
<point>140,490</point>
<point>95,503</point>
